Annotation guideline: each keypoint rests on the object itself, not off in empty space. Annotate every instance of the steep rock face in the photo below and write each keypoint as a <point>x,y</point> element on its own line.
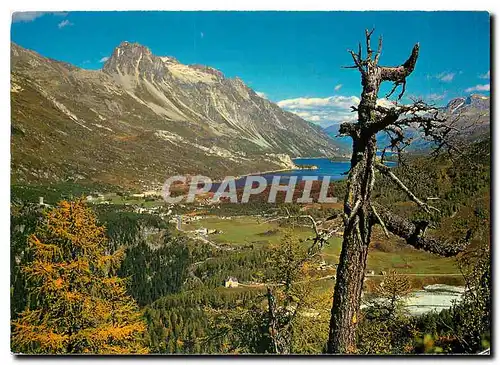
<point>229,111</point>
<point>455,104</point>
<point>472,103</point>
<point>470,115</point>
<point>142,118</point>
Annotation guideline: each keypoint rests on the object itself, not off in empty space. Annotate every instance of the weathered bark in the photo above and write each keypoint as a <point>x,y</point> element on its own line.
<point>347,295</point>
<point>359,211</point>
<point>357,203</point>
<point>357,232</point>
<point>414,234</point>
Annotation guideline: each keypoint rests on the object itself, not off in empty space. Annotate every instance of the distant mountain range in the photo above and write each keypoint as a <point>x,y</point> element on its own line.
<point>471,110</point>
<point>143,118</point>
<point>472,103</point>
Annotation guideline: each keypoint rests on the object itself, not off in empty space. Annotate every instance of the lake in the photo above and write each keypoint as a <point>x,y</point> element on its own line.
<point>336,170</point>
<point>435,297</point>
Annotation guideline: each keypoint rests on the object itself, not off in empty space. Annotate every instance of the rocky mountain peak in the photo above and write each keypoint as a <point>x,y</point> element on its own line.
<point>128,52</point>
<point>454,104</point>
<point>127,46</point>
<point>142,106</point>
<point>134,59</point>
<point>473,101</point>
<point>478,101</point>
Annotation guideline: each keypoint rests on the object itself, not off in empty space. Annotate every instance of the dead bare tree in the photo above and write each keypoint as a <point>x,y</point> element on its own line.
<point>360,212</point>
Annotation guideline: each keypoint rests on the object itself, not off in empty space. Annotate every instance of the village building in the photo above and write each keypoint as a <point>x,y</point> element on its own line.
<point>41,203</point>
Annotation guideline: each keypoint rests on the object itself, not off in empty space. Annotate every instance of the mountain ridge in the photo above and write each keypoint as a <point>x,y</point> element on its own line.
<point>469,114</point>
<point>144,117</point>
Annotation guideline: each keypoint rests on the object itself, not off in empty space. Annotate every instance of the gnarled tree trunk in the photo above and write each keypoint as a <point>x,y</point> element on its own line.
<point>358,211</point>
<point>357,232</point>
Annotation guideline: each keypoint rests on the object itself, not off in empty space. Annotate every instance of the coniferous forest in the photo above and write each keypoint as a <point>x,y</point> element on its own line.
<point>169,287</point>
<point>239,184</point>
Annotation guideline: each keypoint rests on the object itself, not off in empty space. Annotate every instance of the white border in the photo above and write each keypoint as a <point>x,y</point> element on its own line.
<point>9,6</point>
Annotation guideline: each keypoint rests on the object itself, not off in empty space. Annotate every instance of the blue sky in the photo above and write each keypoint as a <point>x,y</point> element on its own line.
<point>294,58</point>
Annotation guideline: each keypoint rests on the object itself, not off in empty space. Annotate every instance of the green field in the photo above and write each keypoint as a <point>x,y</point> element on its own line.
<point>250,230</point>
<point>141,202</point>
<point>245,230</point>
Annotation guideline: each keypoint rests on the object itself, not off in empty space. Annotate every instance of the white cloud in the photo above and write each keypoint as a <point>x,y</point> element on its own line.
<point>337,101</point>
<point>64,23</point>
<point>337,87</point>
<point>323,111</point>
<point>327,111</point>
<point>261,94</point>
<point>104,59</point>
<point>485,87</point>
<point>485,76</point>
<point>386,102</point>
<point>446,76</point>
<point>26,16</point>
<point>308,116</point>
<point>29,16</point>
<point>435,96</point>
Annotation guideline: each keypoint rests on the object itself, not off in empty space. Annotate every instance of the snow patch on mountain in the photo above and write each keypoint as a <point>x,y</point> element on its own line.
<point>187,74</point>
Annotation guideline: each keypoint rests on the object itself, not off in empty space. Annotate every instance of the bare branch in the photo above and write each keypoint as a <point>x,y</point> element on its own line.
<point>435,128</point>
<point>288,216</point>
<point>357,61</point>
<point>398,132</point>
<point>379,50</point>
<point>380,221</point>
<point>387,172</point>
<point>399,73</point>
<point>321,235</point>
<point>369,50</point>
<point>419,115</point>
<point>414,235</point>
<point>353,212</point>
<point>382,156</point>
<point>349,129</point>
<point>396,84</point>
<point>403,89</point>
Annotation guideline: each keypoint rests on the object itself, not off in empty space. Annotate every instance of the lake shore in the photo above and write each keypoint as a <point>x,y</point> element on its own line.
<point>264,173</point>
<point>297,167</point>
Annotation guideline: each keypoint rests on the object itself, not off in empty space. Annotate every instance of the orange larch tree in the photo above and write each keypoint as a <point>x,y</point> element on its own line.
<point>78,304</point>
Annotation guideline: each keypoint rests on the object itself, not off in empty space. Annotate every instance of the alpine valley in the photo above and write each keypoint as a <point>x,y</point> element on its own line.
<point>375,242</point>
<point>144,117</point>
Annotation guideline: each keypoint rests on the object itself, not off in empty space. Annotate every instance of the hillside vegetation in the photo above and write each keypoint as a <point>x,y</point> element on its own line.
<point>177,280</point>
